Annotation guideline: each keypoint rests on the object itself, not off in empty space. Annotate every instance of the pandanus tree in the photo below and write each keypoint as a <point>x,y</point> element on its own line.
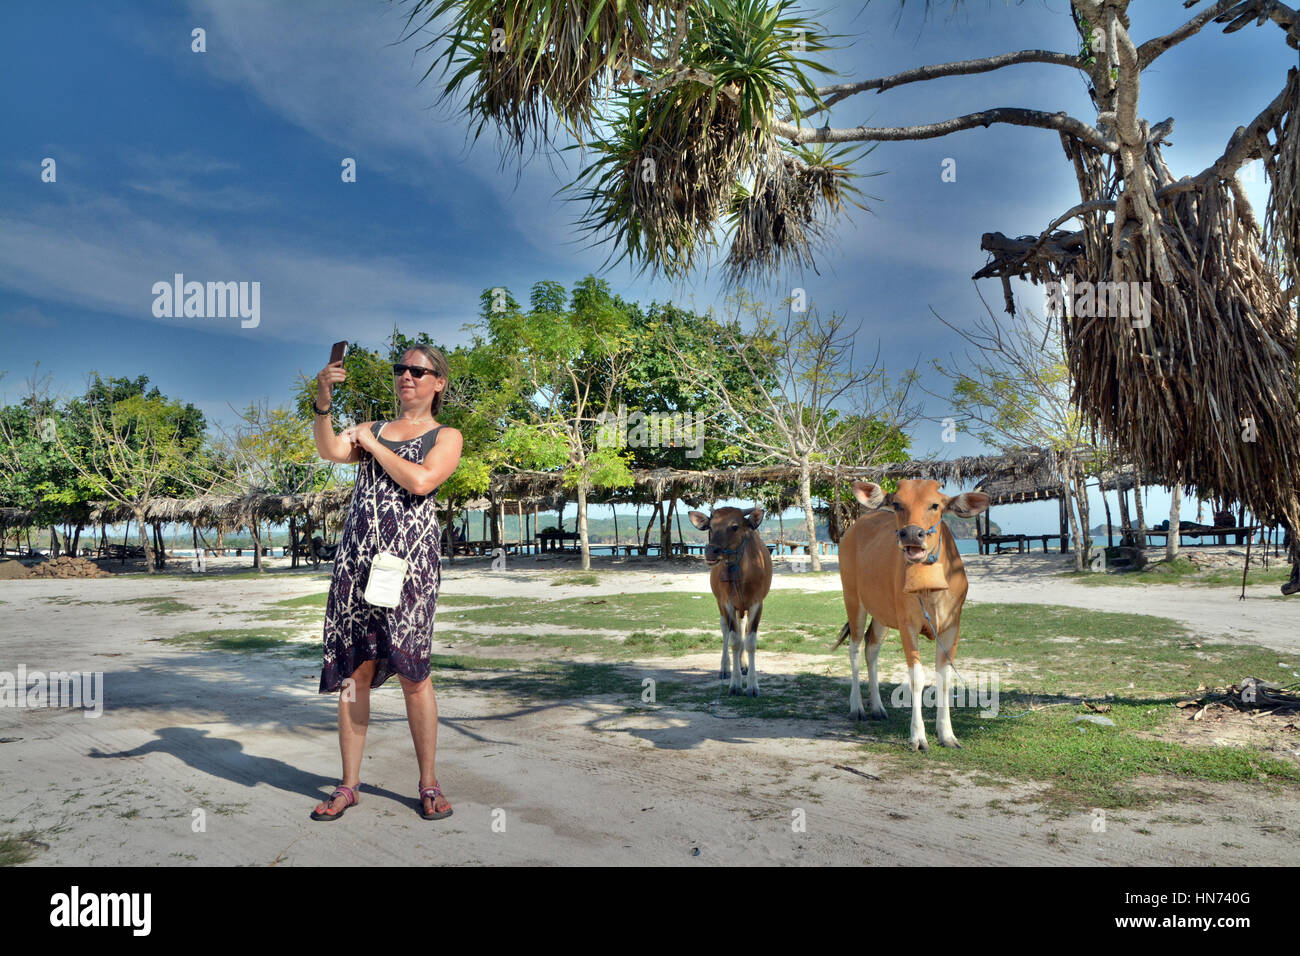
<point>696,113</point>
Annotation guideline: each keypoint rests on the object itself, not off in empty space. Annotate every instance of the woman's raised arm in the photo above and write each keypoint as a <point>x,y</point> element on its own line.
<point>330,446</point>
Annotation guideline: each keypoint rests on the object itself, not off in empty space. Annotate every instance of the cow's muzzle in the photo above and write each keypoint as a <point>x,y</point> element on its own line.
<point>912,542</point>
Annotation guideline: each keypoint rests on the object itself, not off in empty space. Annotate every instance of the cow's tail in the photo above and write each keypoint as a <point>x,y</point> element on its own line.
<point>844,636</point>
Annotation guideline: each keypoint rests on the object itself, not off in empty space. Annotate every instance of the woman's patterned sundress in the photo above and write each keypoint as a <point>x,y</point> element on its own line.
<point>399,638</point>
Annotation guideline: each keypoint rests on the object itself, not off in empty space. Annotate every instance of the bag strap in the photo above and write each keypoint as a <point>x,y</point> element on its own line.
<point>374,508</point>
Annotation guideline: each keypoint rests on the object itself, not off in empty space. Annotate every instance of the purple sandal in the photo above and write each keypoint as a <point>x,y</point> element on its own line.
<point>432,793</point>
<point>340,791</point>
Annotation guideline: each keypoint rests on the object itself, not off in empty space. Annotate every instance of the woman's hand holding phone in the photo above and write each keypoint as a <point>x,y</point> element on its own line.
<point>332,373</point>
<point>327,378</point>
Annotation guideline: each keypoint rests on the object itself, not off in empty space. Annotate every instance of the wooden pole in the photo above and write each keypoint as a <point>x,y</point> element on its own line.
<point>1065,531</point>
<point>1110,540</point>
<point>677,511</point>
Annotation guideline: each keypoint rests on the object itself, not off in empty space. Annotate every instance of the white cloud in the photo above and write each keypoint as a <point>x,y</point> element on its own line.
<point>29,315</point>
<point>100,255</point>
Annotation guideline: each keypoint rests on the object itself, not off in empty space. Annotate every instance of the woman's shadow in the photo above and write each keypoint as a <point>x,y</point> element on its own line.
<point>222,757</point>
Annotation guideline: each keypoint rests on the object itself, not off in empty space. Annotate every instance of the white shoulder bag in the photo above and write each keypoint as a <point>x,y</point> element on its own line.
<point>387,570</point>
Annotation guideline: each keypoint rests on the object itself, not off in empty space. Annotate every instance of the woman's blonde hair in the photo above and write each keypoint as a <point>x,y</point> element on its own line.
<point>440,368</point>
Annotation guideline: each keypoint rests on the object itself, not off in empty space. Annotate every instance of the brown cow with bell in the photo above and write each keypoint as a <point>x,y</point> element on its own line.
<point>900,566</point>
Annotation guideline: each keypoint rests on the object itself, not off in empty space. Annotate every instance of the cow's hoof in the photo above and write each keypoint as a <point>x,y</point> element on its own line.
<point>920,743</point>
<point>857,713</point>
<point>734,690</point>
<point>950,742</point>
<point>880,714</point>
<point>752,691</point>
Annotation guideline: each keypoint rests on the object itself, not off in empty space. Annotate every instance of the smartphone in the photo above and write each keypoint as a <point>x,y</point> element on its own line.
<point>336,353</point>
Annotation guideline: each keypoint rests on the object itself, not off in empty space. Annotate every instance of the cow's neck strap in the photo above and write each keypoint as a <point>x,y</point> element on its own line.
<point>933,556</point>
<point>731,573</point>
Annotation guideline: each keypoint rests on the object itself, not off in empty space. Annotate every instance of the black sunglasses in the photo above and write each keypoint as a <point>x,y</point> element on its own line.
<point>417,371</point>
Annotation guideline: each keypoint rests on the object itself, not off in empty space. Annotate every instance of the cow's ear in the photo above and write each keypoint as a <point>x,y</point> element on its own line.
<point>700,520</point>
<point>869,493</point>
<point>969,504</point>
<point>754,516</point>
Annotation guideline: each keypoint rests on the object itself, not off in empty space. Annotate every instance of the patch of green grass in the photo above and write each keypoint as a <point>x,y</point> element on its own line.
<point>550,681</point>
<point>248,639</point>
<point>1229,576</point>
<point>1084,765</point>
<point>471,600</point>
<point>1179,571</point>
<point>575,578</point>
<point>296,615</point>
<point>305,600</point>
<point>18,848</point>
<point>670,644</point>
<point>157,605</point>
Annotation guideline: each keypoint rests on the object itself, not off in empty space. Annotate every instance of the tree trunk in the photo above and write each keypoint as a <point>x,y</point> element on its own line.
<point>293,541</point>
<point>809,519</point>
<point>76,538</point>
<point>1105,503</point>
<point>451,532</point>
<point>583,543</point>
<point>1175,507</point>
<point>54,542</point>
<point>1074,525</point>
<point>257,545</point>
<point>144,540</point>
<point>645,541</point>
<point>126,535</point>
<point>1142,519</point>
<point>614,511</point>
<point>666,530</point>
<point>1125,525</point>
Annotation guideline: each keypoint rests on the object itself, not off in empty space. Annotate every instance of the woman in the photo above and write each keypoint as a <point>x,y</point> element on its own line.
<point>401,464</point>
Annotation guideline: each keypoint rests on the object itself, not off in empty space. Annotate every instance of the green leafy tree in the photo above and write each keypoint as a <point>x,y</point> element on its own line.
<point>567,355</point>
<point>142,446</point>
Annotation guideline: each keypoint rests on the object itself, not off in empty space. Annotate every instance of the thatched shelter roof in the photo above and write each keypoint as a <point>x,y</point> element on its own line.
<point>16,517</point>
<point>696,487</point>
<point>1023,474</point>
<point>231,510</point>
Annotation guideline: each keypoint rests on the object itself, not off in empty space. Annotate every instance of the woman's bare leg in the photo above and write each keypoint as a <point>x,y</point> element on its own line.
<point>422,715</point>
<point>354,720</point>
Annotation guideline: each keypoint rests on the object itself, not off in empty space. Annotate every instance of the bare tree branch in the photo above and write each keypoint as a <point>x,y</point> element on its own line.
<point>1060,122</point>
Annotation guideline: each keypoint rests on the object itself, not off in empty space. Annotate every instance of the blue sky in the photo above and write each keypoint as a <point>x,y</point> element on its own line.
<point>225,166</point>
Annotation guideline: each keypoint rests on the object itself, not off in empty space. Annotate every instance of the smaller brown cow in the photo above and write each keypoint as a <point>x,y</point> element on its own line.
<point>741,576</point>
<point>875,555</point>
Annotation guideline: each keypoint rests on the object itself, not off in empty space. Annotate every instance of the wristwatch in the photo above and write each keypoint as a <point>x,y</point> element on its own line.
<point>321,411</point>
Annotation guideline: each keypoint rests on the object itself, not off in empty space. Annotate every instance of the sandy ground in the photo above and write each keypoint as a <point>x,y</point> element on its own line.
<point>246,740</point>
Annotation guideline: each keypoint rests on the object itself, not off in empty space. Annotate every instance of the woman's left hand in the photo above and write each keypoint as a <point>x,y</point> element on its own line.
<point>362,437</point>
